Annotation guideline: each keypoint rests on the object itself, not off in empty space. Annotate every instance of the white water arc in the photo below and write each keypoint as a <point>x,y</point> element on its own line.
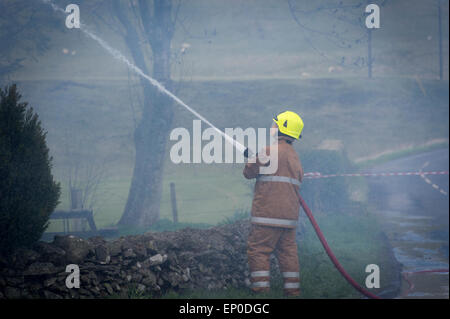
<point>119,56</point>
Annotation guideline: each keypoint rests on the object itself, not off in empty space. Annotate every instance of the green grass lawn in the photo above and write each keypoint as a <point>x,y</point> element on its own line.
<point>203,195</point>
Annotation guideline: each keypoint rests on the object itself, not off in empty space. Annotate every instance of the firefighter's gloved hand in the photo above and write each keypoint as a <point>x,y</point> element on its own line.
<point>248,153</point>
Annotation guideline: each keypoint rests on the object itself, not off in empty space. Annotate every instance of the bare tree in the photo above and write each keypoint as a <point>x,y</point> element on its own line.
<point>346,28</point>
<point>24,29</point>
<point>83,175</point>
<point>147,26</point>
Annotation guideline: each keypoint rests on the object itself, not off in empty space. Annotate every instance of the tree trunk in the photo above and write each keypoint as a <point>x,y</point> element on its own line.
<point>150,138</point>
<point>152,132</point>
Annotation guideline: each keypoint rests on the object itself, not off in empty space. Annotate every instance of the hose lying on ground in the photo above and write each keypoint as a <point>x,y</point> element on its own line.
<point>330,253</point>
<point>341,269</point>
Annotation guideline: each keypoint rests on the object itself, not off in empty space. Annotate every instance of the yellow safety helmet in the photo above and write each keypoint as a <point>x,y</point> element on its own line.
<point>289,123</point>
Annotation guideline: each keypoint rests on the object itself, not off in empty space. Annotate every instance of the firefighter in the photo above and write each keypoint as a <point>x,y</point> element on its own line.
<point>275,209</point>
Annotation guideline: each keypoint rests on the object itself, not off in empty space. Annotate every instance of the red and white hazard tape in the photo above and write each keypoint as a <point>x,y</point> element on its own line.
<point>319,175</point>
<point>428,181</point>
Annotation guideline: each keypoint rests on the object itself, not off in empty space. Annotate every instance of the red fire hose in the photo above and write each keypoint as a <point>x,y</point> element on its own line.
<point>339,267</point>
<point>330,253</point>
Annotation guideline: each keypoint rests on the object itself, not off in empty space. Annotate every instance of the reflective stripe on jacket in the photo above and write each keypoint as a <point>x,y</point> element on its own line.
<point>275,201</point>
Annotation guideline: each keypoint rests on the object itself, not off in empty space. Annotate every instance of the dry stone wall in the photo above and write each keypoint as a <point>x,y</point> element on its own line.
<point>151,264</point>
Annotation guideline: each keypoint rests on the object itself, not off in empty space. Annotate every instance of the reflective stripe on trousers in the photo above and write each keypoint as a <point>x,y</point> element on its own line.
<point>274,221</point>
<point>261,284</point>
<point>260,273</point>
<point>291,285</point>
<point>291,274</point>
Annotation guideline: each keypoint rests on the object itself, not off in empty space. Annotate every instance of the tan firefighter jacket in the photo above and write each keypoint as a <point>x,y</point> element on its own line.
<point>275,201</point>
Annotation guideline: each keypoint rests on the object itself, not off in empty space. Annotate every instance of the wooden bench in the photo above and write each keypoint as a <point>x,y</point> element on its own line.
<point>79,214</point>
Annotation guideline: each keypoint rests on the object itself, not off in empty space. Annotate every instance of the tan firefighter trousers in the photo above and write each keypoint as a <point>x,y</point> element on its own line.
<point>262,242</point>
